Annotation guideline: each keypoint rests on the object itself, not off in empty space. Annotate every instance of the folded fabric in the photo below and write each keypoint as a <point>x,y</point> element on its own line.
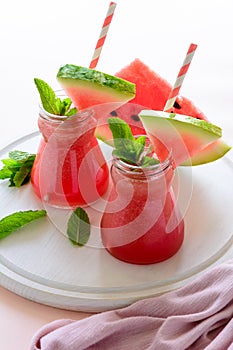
<point>197,316</point>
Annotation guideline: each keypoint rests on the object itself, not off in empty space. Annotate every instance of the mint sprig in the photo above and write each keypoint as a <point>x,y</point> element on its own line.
<point>78,227</point>
<point>51,103</point>
<point>17,168</point>
<point>16,220</point>
<point>127,148</point>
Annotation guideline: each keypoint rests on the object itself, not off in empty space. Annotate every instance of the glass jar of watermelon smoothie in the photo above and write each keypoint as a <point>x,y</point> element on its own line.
<point>141,223</point>
<point>69,169</point>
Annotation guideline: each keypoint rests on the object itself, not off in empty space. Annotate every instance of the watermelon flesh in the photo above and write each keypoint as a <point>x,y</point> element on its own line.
<point>184,136</point>
<point>128,112</point>
<point>152,90</point>
<point>108,95</point>
<point>88,88</point>
<point>196,154</point>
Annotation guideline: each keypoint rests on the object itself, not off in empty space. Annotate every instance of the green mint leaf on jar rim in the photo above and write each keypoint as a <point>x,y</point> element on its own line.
<point>120,130</point>
<point>51,103</point>
<point>141,140</point>
<point>66,104</point>
<point>149,161</point>
<point>71,112</point>
<point>47,96</point>
<point>78,227</point>
<point>17,220</point>
<point>128,148</point>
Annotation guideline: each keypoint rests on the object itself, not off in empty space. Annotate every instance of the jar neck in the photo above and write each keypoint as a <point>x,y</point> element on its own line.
<point>63,127</point>
<point>144,183</point>
<point>77,119</point>
<point>144,173</point>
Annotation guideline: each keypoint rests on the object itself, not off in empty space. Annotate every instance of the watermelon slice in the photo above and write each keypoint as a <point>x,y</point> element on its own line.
<point>212,152</point>
<point>184,136</point>
<point>108,95</point>
<point>129,112</point>
<point>152,92</point>
<point>88,87</point>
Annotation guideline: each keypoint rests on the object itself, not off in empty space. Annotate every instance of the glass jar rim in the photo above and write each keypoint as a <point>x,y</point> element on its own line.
<point>151,170</point>
<point>79,117</point>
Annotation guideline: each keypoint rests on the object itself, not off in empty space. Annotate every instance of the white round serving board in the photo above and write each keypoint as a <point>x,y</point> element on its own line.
<point>39,263</point>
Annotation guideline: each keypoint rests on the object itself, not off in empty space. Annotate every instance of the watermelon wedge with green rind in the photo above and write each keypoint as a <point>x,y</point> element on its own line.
<point>152,92</point>
<point>182,135</point>
<point>211,153</point>
<point>130,113</point>
<point>88,87</point>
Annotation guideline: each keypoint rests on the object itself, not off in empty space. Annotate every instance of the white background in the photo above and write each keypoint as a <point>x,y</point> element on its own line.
<point>36,37</point>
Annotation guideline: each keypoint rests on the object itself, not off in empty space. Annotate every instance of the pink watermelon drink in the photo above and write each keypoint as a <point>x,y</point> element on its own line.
<point>69,169</point>
<point>152,92</point>
<point>141,223</point>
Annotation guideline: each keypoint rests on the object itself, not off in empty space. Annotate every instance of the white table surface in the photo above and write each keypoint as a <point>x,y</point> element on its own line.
<point>38,36</point>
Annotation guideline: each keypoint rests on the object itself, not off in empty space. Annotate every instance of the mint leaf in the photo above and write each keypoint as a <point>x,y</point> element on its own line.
<point>16,220</point>
<point>20,156</point>
<point>47,96</point>
<point>126,147</point>
<point>65,105</point>
<point>71,112</point>
<point>78,227</point>
<point>22,175</point>
<point>149,161</point>
<point>129,152</point>
<point>17,168</point>
<point>5,173</point>
<point>141,140</point>
<point>120,130</point>
<point>51,103</point>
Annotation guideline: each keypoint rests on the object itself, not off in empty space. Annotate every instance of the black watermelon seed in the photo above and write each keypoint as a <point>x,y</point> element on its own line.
<point>114,113</point>
<point>135,117</point>
<point>176,105</point>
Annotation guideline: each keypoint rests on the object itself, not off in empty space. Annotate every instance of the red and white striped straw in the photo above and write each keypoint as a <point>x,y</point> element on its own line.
<point>180,78</point>
<point>103,34</point>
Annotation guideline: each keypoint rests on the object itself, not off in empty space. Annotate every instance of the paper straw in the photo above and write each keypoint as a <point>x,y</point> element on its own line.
<point>180,78</point>
<point>103,34</point>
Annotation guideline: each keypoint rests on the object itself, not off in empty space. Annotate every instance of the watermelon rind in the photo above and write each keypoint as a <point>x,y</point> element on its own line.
<point>129,112</point>
<point>180,122</point>
<point>70,75</point>
<point>184,135</point>
<point>211,153</point>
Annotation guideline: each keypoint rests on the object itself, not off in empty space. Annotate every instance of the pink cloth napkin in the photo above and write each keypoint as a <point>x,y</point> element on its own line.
<point>197,316</point>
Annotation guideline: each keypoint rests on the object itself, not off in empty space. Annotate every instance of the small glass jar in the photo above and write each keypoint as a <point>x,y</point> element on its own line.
<point>141,223</point>
<point>69,169</point>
